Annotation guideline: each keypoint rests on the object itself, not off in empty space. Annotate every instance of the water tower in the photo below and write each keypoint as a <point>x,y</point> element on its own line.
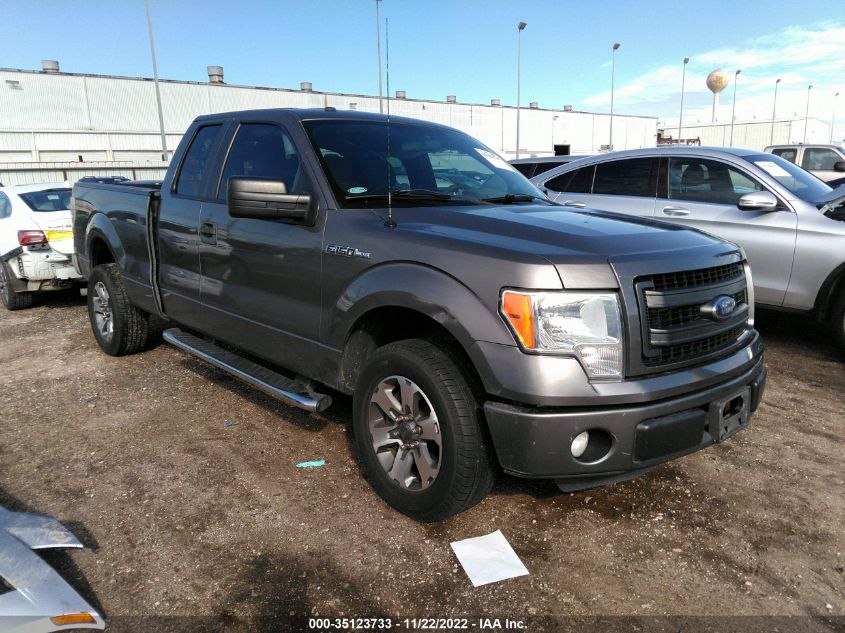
<point>716,81</point>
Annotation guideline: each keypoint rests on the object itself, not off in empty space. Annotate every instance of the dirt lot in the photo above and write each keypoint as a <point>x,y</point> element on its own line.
<point>195,526</point>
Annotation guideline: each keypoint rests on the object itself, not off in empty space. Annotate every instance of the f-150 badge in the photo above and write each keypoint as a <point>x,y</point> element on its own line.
<point>346,251</point>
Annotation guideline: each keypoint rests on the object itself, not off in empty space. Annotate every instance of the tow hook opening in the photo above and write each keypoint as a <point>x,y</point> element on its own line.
<point>732,407</point>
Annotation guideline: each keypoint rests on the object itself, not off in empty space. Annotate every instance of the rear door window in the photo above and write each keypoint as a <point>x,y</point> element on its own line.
<point>526,169</point>
<point>629,177</point>
<point>785,153</point>
<point>194,165</point>
<point>578,181</point>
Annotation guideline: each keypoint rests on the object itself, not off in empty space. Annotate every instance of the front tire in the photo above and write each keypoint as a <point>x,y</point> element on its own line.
<point>119,327</point>
<point>12,300</point>
<point>419,432</point>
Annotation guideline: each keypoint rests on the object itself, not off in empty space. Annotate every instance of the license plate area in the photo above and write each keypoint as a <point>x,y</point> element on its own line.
<point>729,415</point>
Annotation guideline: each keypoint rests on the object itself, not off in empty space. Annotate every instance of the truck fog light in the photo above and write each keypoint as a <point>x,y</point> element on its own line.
<point>579,444</point>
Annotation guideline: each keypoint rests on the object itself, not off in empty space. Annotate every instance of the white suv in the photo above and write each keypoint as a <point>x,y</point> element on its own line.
<point>36,242</point>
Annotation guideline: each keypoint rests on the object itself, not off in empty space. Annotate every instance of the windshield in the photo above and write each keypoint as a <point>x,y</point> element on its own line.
<point>425,166</point>
<point>47,200</point>
<point>802,183</point>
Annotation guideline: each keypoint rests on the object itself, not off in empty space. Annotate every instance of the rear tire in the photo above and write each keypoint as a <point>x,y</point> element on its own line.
<point>428,455</point>
<point>119,327</point>
<point>12,300</point>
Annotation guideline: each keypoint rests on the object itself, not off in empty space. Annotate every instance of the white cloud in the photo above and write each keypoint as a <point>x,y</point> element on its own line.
<point>799,56</point>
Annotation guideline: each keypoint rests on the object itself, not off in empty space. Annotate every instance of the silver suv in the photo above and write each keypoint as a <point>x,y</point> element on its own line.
<point>789,222</point>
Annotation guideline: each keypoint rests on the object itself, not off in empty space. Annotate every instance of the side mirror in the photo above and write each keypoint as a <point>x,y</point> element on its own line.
<point>839,165</point>
<point>758,201</point>
<point>267,199</point>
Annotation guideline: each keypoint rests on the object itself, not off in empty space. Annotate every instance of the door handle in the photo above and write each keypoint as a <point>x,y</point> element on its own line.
<point>675,211</point>
<point>574,203</point>
<point>208,233</point>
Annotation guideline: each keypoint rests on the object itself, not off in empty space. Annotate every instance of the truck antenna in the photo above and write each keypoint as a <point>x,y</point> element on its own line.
<point>390,223</point>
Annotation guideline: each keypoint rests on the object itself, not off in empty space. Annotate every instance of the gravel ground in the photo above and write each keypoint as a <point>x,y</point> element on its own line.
<point>194,525</point>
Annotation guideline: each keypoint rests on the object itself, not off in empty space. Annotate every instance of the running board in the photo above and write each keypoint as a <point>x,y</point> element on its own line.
<point>292,392</point>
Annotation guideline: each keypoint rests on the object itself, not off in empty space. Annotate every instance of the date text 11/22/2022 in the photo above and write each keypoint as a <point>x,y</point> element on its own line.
<point>415,624</point>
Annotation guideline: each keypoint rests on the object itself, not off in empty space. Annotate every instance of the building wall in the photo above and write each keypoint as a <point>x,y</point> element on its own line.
<point>755,134</point>
<point>68,117</point>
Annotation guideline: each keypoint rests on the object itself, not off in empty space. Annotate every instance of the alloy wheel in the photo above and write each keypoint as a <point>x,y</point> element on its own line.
<point>103,317</point>
<point>405,433</point>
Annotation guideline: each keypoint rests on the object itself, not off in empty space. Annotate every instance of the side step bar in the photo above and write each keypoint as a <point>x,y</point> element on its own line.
<point>292,392</point>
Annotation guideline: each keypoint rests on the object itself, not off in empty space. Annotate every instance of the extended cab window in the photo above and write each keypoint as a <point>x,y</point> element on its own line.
<point>196,161</point>
<point>263,150</point>
<point>819,158</point>
<point>578,181</point>
<point>702,180</point>
<point>630,177</point>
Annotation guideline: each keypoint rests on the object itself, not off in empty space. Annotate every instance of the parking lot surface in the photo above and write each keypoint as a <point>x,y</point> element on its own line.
<point>195,524</point>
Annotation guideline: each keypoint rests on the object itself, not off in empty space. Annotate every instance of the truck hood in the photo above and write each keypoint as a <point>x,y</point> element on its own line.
<point>580,243</point>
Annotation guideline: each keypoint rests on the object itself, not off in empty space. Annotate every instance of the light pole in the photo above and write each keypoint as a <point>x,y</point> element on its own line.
<point>733,108</point>
<point>833,117</point>
<point>519,29</point>
<point>378,51</point>
<point>155,79</point>
<point>681,115</point>
<point>612,86</point>
<point>807,112</point>
<point>774,109</point>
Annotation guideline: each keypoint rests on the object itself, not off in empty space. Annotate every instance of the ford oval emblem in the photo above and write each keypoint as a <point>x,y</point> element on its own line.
<point>723,307</point>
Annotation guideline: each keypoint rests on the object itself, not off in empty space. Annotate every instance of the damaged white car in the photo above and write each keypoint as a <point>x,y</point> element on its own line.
<point>36,242</point>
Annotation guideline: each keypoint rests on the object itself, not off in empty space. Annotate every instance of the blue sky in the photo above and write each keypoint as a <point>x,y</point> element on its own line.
<point>463,47</point>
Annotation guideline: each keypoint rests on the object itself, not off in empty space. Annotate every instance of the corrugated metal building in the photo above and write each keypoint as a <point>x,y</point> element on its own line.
<point>754,134</point>
<point>49,117</point>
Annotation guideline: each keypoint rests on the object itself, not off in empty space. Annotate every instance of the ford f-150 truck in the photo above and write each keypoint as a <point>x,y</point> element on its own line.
<point>476,324</point>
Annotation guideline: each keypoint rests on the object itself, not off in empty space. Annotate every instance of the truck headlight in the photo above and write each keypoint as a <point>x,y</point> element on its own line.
<point>587,325</point>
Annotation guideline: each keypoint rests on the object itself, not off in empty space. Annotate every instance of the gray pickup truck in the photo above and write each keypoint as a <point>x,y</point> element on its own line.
<point>477,325</point>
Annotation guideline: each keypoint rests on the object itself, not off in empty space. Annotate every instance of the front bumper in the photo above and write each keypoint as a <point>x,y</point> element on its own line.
<point>535,441</point>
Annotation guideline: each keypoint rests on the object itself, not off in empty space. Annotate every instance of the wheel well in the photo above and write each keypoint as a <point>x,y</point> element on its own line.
<point>388,324</point>
<point>100,253</point>
<point>830,290</point>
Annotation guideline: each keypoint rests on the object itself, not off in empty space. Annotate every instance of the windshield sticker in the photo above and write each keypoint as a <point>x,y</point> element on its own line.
<point>773,169</point>
<point>494,159</point>
<point>354,190</point>
<point>52,196</point>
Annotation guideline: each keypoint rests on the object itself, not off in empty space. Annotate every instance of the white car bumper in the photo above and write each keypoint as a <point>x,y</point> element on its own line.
<point>43,268</point>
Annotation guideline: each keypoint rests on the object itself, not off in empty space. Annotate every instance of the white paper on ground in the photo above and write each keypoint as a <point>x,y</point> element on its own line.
<point>487,559</point>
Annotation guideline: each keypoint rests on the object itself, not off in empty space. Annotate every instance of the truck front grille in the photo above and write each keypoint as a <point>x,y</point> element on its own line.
<point>694,278</point>
<point>678,325</point>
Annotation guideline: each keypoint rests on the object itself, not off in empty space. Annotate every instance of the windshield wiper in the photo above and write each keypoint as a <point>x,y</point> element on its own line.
<point>405,194</point>
<point>510,198</point>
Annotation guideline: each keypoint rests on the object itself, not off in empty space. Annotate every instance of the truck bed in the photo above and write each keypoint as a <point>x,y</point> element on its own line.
<point>119,214</point>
